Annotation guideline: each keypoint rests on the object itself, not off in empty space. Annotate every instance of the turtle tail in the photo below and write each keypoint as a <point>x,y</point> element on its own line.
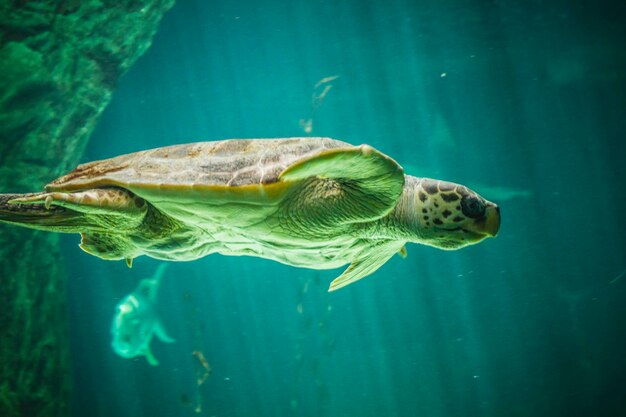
<point>38,216</point>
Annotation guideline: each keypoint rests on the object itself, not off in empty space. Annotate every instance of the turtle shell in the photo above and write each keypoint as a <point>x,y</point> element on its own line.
<point>226,163</point>
<point>203,179</point>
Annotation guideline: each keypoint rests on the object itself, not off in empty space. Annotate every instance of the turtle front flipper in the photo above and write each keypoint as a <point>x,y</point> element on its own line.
<point>342,186</point>
<point>367,263</point>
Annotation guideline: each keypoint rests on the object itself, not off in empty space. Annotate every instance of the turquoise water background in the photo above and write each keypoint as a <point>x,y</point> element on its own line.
<point>523,101</point>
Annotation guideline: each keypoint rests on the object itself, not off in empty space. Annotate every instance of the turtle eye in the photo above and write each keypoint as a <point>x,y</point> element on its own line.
<point>472,207</point>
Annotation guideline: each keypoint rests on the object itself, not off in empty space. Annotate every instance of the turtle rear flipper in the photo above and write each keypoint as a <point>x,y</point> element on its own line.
<point>36,216</point>
<point>115,201</point>
<point>91,210</point>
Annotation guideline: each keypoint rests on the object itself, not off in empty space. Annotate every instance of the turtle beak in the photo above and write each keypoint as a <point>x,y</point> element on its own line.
<point>492,220</point>
<point>486,226</point>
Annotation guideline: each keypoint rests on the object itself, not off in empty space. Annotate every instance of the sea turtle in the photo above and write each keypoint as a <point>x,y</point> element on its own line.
<point>309,202</point>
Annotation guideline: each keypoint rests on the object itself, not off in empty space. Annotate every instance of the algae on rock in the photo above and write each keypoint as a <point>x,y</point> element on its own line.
<point>59,64</point>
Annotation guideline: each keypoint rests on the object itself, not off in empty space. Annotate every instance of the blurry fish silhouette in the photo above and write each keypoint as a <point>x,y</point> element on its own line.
<point>136,321</point>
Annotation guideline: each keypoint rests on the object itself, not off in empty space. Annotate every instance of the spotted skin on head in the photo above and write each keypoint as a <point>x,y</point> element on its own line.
<point>451,216</point>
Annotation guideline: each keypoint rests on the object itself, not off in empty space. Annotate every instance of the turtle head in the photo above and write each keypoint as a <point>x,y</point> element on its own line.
<point>450,216</point>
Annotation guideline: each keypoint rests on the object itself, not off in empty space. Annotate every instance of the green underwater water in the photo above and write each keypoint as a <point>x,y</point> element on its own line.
<point>522,101</point>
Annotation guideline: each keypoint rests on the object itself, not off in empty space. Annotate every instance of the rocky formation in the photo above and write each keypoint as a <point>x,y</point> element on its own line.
<point>59,64</point>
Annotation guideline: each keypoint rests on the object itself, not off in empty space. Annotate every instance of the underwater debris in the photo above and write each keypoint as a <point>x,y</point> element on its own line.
<point>204,372</point>
<point>316,101</point>
<point>326,80</point>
